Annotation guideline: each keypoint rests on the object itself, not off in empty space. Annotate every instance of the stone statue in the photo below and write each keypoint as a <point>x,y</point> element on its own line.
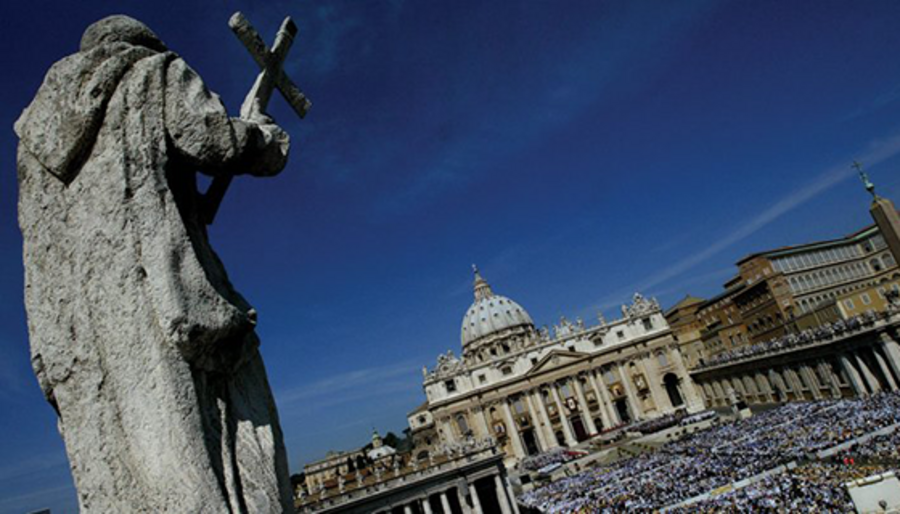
<point>138,340</point>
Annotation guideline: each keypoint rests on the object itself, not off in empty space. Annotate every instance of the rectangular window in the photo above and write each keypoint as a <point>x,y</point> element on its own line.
<point>866,299</point>
<point>507,370</point>
<point>648,323</point>
<point>848,303</point>
<point>663,360</point>
<point>450,385</point>
<point>482,379</point>
<point>620,334</point>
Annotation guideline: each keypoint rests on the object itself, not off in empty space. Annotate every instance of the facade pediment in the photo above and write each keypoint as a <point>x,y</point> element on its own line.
<point>555,359</point>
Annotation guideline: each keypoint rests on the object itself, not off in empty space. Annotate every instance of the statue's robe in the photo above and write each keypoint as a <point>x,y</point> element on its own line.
<point>138,339</point>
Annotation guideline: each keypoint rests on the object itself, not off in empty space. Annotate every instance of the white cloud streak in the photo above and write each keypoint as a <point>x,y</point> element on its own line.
<point>353,385</point>
<point>876,152</point>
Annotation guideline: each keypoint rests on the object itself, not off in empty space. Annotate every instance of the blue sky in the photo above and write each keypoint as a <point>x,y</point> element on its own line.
<point>577,152</point>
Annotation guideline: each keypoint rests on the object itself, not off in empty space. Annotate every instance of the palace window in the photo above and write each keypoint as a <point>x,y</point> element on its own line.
<point>648,323</point>
<point>663,360</point>
<point>866,299</point>
<point>482,379</point>
<point>506,370</point>
<point>848,303</point>
<point>450,385</point>
<point>620,334</point>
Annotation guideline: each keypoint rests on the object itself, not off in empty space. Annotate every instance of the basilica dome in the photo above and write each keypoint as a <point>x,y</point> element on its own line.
<point>490,313</point>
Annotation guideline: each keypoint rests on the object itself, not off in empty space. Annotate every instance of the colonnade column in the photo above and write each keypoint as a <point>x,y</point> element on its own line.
<point>476,503</point>
<point>567,431</point>
<point>814,384</point>
<point>426,506</point>
<point>855,380</point>
<point>407,509</point>
<point>867,374</point>
<point>892,351</point>
<point>445,503</point>
<point>885,370</point>
<point>796,383</point>
<point>463,504</point>
<point>630,397</point>
<point>579,392</point>
<point>512,431</point>
<point>606,410</point>
<point>831,380</point>
<point>536,421</point>
<point>500,491</point>
<point>762,383</point>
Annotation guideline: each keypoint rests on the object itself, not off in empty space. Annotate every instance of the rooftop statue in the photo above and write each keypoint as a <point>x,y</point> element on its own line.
<point>138,339</point>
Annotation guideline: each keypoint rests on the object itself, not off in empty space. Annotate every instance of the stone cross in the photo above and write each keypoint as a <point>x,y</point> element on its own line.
<point>270,77</point>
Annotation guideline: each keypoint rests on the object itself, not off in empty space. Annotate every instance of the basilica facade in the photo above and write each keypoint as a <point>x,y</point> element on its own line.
<point>532,390</point>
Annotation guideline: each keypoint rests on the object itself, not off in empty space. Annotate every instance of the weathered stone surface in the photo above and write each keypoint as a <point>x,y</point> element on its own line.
<point>138,339</point>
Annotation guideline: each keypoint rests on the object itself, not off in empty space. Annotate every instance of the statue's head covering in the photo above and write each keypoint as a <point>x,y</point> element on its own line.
<point>119,28</point>
<point>60,125</point>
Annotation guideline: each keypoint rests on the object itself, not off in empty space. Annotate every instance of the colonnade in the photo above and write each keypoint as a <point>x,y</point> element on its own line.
<point>860,370</point>
<point>466,499</point>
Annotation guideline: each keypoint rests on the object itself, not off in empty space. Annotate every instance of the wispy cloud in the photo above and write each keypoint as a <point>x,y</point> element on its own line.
<point>353,385</point>
<point>875,105</point>
<point>38,498</point>
<point>35,465</point>
<point>875,153</point>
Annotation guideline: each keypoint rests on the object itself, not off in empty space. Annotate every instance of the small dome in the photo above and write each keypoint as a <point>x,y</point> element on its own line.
<point>490,313</point>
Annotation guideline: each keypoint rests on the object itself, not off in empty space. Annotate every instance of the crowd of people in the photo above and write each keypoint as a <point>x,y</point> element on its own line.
<point>548,458</point>
<point>813,487</point>
<point>719,456</point>
<point>820,333</point>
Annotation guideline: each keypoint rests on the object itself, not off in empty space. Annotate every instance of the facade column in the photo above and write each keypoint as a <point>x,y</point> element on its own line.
<point>512,432</point>
<point>476,503</point>
<point>445,503</point>
<point>536,421</point>
<point>426,506</point>
<point>885,370</point>
<point>855,380</point>
<point>631,398</point>
<point>449,436</point>
<point>583,405</point>
<point>501,495</point>
<point>651,375</point>
<point>407,509</point>
<point>607,413</point>
<point>867,374</point>
<point>567,430</point>
<point>688,391</point>
<point>481,420</point>
<point>548,426</point>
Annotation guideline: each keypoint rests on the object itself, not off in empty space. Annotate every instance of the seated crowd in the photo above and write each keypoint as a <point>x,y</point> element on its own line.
<point>718,456</point>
